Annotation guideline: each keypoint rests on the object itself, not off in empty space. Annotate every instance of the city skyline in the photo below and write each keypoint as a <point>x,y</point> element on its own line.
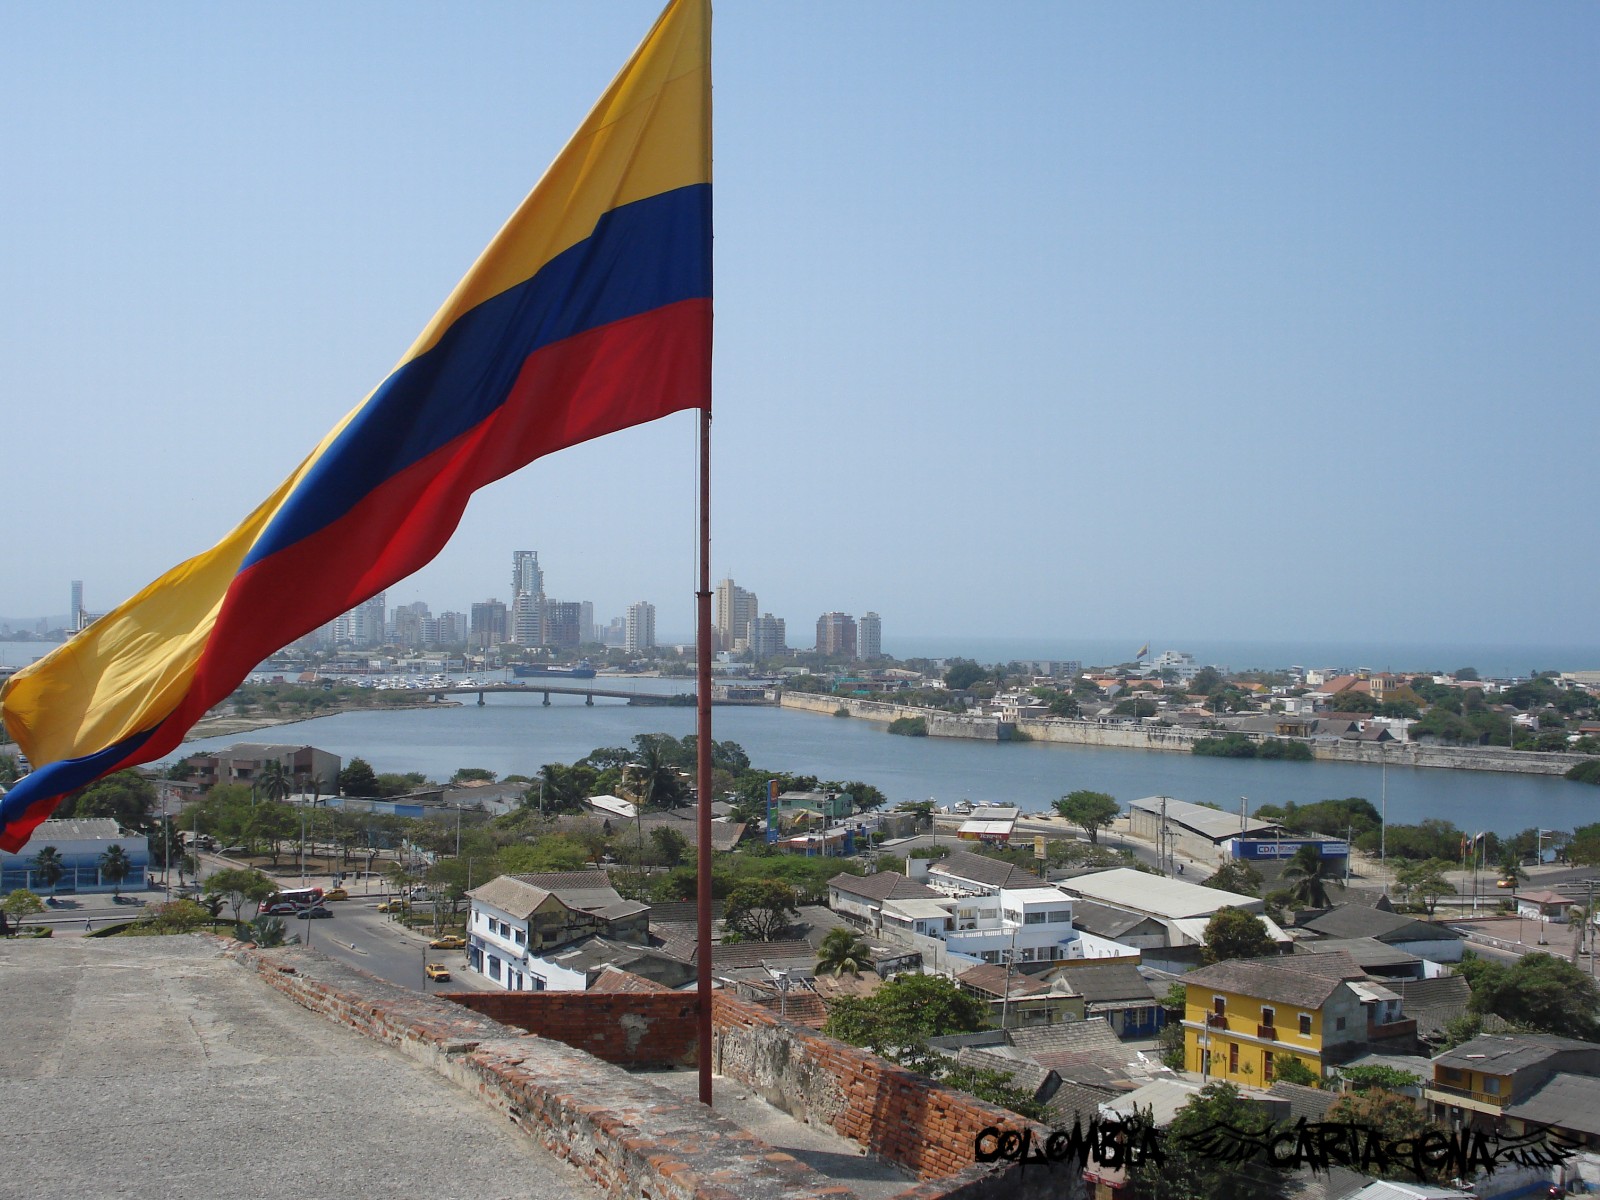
<point>1235,272</point>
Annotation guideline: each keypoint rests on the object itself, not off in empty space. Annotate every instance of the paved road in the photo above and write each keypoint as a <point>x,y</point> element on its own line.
<point>359,935</point>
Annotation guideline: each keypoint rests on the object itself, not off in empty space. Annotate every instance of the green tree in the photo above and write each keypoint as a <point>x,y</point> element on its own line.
<point>358,779</point>
<point>472,775</point>
<point>1238,877</point>
<point>274,782</point>
<point>1511,869</point>
<point>126,797</point>
<point>962,674</point>
<point>1292,1069</point>
<point>1308,876</point>
<point>669,845</point>
<point>1425,881</point>
<point>50,867</point>
<point>1539,992</point>
<point>1234,933</point>
<point>19,904</point>
<point>760,909</point>
<point>656,782</point>
<point>115,865</point>
<point>897,1020</point>
<point>1394,1116</point>
<point>564,788</point>
<point>923,811</point>
<point>843,951</point>
<point>238,885</point>
<point>1090,811</point>
<point>1190,1170</point>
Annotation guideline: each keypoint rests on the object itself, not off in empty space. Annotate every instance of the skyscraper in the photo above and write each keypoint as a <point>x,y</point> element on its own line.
<point>489,620</point>
<point>640,632</point>
<point>586,622</point>
<point>561,624</point>
<point>527,599</point>
<point>836,635</point>
<point>736,608</point>
<point>767,637</point>
<point>75,619</point>
<point>869,637</point>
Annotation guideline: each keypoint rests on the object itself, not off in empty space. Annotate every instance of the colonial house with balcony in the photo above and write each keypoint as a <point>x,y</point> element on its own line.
<point>1244,1018</point>
<point>1503,1081</point>
<point>517,921</point>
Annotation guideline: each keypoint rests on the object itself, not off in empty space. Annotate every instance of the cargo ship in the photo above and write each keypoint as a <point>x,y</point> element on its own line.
<point>549,671</point>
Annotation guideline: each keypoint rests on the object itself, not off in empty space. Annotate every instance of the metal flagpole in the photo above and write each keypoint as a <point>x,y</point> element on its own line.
<point>703,766</point>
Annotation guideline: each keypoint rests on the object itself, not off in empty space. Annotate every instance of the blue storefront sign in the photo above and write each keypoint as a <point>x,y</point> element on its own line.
<point>1284,847</point>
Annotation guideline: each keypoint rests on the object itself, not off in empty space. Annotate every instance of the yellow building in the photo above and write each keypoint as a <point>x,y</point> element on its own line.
<point>1244,1019</point>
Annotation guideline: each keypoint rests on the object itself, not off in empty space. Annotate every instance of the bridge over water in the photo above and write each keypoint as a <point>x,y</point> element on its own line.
<point>523,688</point>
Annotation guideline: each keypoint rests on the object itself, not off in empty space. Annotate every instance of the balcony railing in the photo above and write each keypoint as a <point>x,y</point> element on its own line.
<point>1498,1100</point>
<point>1267,1032</point>
<point>1217,1020</point>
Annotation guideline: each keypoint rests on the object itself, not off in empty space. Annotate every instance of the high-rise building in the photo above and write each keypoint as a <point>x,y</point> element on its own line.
<point>561,624</point>
<point>869,637</point>
<point>489,624</point>
<point>586,621</point>
<point>527,599</point>
<point>75,619</point>
<point>365,625</point>
<point>640,628</point>
<point>736,608</point>
<point>836,635</point>
<point>452,629</point>
<point>408,624</point>
<point>767,637</point>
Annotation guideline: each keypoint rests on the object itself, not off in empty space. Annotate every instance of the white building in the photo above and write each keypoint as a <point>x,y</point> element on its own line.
<point>518,921</point>
<point>869,637</point>
<point>639,632</point>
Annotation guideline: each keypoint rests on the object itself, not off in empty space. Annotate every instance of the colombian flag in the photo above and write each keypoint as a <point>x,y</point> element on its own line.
<point>589,312</point>
<point>1141,652</point>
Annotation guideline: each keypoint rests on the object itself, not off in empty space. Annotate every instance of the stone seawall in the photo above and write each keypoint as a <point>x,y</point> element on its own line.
<point>940,724</point>
<point>1181,740</point>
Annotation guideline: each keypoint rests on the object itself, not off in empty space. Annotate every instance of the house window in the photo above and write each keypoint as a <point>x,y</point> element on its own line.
<point>1266,1066</point>
<point>1058,918</point>
<point>991,956</point>
<point>1233,1058</point>
<point>1268,1016</point>
<point>522,938</point>
<point>1305,1024</point>
<point>1338,1023</point>
<point>1027,954</point>
<point>494,967</point>
<point>1491,1085</point>
<point>1219,1006</point>
<point>1033,918</point>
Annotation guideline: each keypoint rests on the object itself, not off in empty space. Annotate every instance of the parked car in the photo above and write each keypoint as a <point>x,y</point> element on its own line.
<point>449,941</point>
<point>312,913</point>
<point>437,972</point>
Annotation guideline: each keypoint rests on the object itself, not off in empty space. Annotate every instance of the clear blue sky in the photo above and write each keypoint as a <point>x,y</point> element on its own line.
<point>1225,320</point>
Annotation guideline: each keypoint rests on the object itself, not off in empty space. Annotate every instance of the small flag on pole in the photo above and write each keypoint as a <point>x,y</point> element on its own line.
<point>589,312</point>
<point>1141,652</point>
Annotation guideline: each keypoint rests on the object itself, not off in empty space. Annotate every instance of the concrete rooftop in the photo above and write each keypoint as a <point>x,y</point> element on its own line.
<point>157,1067</point>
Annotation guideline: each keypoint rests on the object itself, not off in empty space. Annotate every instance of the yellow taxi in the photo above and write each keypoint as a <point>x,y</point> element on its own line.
<point>450,941</point>
<point>337,893</point>
<point>437,972</point>
<point>392,906</point>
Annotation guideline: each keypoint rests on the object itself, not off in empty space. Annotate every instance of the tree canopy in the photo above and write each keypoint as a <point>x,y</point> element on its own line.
<point>1538,992</point>
<point>1091,811</point>
<point>1234,933</point>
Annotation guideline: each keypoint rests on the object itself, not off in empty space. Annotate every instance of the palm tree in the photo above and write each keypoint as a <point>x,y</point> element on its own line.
<point>274,780</point>
<point>843,950</point>
<point>114,865</point>
<point>656,783</point>
<point>1511,869</point>
<point>50,868</point>
<point>1307,877</point>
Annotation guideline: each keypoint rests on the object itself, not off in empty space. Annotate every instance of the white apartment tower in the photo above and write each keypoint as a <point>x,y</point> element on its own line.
<point>527,598</point>
<point>640,631</point>
<point>869,637</point>
<point>767,637</point>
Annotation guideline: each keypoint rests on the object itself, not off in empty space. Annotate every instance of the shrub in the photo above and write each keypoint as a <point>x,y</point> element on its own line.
<point>909,726</point>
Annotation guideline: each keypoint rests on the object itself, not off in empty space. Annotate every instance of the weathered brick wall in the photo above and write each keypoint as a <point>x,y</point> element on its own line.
<point>628,1028</point>
<point>891,1111</point>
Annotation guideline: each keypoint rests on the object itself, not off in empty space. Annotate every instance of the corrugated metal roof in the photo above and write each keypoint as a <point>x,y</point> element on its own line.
<point>1140,891</point>
<point>1214,823</point>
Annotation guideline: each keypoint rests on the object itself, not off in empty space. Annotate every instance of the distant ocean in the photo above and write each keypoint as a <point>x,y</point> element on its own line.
<point>1491,660</point>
